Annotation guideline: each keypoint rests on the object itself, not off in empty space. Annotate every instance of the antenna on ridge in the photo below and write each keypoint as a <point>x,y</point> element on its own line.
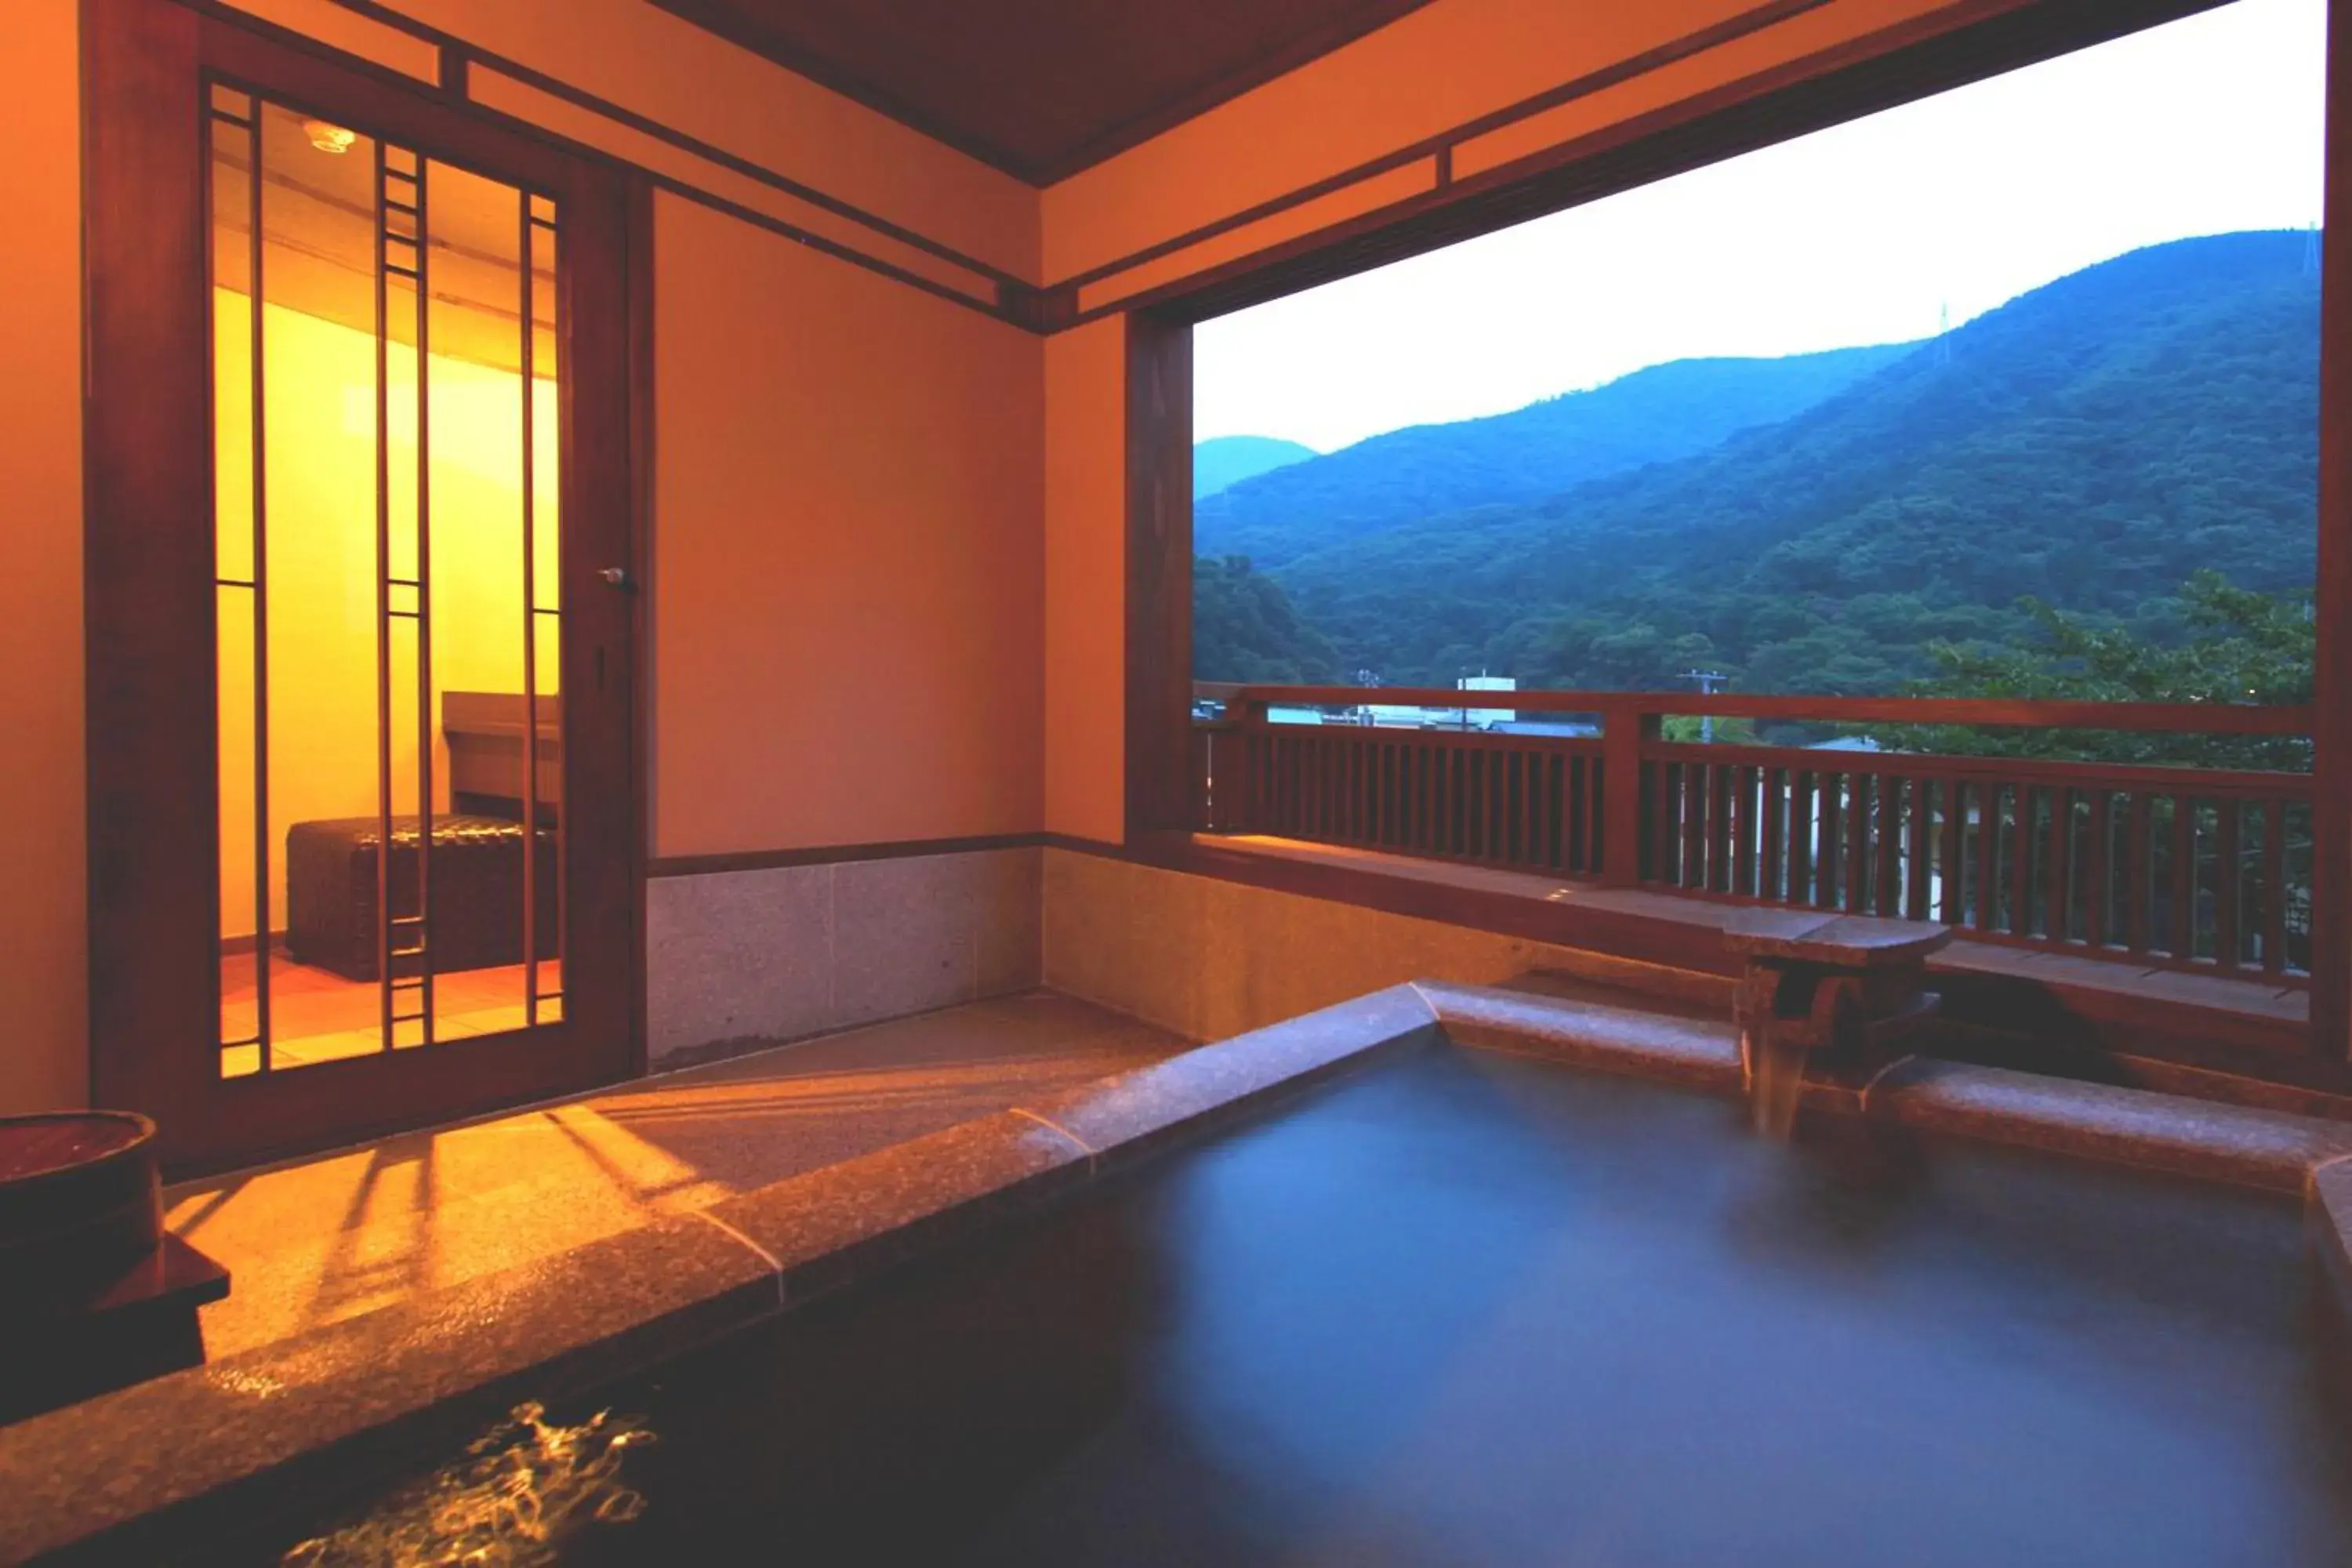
<point>1944,334</point>
<point>1710,681</point>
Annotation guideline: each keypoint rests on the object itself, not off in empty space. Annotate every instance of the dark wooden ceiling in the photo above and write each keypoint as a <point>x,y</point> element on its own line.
<point>1040,87</point>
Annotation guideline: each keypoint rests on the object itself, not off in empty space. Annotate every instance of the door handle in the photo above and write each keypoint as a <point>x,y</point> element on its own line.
<point>618,577</point>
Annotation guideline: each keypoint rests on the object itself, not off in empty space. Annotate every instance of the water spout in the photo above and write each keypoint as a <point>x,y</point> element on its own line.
<point>1776,1078</point>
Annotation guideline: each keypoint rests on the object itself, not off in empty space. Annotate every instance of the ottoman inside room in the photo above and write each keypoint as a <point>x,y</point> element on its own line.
<point>477,874</point>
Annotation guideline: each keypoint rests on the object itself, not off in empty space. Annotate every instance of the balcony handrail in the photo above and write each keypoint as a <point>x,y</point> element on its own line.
<point>2158,717</point>
<point>2061,771</point>
<point>2180,866</point>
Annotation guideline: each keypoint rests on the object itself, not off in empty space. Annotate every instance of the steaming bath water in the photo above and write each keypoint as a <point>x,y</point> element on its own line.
<point>1464,1309</point>
<point>521,1491</point>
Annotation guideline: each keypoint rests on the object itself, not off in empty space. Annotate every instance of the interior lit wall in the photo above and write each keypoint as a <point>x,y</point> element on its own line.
<point>848,576</point>
<point>321,463</point>
<point>42,934</point>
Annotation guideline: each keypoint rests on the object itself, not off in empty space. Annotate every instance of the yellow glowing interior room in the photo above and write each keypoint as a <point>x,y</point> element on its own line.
<point>366,574</point>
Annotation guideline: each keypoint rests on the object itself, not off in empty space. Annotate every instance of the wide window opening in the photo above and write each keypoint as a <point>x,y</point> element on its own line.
<point>386,453</point>
<point>2008,395</point>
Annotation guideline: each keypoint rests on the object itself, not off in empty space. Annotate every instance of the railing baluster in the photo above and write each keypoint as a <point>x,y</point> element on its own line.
<point>1743,831</point>
<point>1527,790</point>
<point>1664,822</point>
<point>1413,828</point>
<point>1499,797</point>
<point>1470,835</point>
<point>1569,804</point>
<point>1340,754</point>
<point>1988,796</point>
<point>1302,785</point>
<point>1559,812</point>
<point>1344,772</point>
<point>1829,834</point>
<point>1454,813</point>
<point>1267,805</point>
<point>1504,788</point>
<point>2140,873</point>
<point>1919,846</point>
<point>1482,813</point>
<point>1951,866</point>
<point>1287,796</point>
<point>1294,783</point>
<point>1691,870</point>
<point>2021,868</point>
<point>2184,879</point>
<point>1335,752</point>
<point>1856,857</point>
<point>1587,776</point>
<point>2273,887</point>
<point>1596,806</point>
<point>1888,835</point>
<point>2054,845</point>
<point>1801,815</point>
<point>1474,813</point>
<point>1330,785</point>
<point>2229,873</point>
<point>1772,785</point>
<point>1277,817</point>
<point>2098,895</point>
<point>1543,771</point>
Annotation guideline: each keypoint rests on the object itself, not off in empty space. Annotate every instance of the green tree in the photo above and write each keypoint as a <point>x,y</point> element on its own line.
<point>2242,647</point>
<point>1245,628</point>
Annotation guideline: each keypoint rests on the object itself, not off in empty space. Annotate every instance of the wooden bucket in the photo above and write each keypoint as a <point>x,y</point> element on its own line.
<point>80,1202</point>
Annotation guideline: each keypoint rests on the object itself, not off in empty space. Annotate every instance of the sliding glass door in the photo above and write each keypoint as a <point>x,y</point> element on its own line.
<point>412,333</point>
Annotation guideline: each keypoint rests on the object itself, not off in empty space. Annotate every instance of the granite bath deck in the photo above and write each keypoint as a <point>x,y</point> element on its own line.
<point>324,1240</point>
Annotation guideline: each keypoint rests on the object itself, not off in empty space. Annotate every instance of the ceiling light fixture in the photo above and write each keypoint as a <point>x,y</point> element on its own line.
<point>328,138</point>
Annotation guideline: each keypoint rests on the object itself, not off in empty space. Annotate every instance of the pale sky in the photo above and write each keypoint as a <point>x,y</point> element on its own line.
<point>1861,234</point>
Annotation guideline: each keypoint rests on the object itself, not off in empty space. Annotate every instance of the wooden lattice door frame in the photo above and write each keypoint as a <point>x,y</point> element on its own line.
<point>149,68</point>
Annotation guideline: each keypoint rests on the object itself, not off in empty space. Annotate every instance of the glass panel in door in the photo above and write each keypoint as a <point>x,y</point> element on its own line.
<point>385,425</point>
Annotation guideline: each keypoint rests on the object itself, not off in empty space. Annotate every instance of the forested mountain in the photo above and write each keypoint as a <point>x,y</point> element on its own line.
<point>1225,460</point>
<point>2093,443</point>
<point>1243,628</point>
<point>1406,476</point>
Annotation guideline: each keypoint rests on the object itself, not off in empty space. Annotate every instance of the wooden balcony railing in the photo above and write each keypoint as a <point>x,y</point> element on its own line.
<point>2163,866</point>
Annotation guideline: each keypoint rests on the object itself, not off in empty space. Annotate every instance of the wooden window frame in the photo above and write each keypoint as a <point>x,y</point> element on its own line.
<point>1848,85</point>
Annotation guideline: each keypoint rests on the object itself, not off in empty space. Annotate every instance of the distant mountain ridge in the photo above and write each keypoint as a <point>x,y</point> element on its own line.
<point>2091,442</point>
<point>1664,412</point>
<point>1223,461</point>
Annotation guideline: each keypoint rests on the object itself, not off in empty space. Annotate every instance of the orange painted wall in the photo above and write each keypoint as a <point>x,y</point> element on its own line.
<point>1085,564</point>
<point>848,568</point>
<point>42,934</point>
<point>1427,72</point>
<point>644,60</point>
